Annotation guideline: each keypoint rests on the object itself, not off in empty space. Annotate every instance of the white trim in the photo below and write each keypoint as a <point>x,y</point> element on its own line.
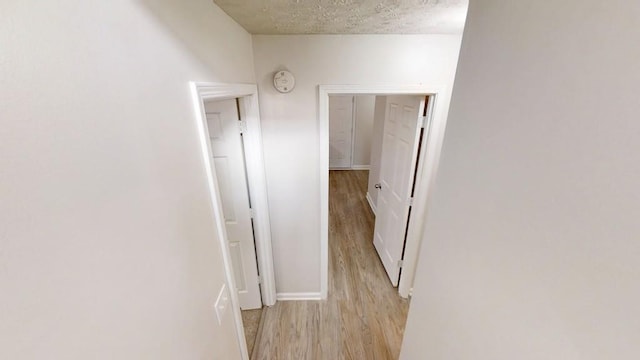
<point>217,214</point>
<point>248,95</point>
<point>249,108</point>
<point>423,180</point>
<point>323,132</point>
<point>299,296</point>
<point>371,205</point>
<point>220,91</point>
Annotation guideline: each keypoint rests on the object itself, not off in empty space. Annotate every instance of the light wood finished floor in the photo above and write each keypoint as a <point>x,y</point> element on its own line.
<point>251,323</point>
<point>363,317</point>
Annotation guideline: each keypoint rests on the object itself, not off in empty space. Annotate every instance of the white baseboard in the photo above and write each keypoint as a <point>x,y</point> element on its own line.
<point>373,207</point>
<point>360,167</point>
<point>298,296</point>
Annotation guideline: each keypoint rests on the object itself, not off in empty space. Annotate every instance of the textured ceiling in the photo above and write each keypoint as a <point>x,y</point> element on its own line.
<point>348,16</point>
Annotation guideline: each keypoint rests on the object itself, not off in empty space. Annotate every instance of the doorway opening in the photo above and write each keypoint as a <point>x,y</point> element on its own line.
<point>230,138</point>
<point>417,174</point>
<point>369,213</point>
<point>225,130</point>
<point>392,127</point>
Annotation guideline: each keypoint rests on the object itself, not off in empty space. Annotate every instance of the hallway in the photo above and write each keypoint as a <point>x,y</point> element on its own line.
<point>363,317</point>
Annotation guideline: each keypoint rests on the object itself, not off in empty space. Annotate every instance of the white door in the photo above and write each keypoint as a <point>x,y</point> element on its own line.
<point>228,159</point>
<point>399,155</point>
<point>340,131</point>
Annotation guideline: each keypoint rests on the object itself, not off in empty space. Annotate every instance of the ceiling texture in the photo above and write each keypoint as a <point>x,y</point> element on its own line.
<point>348,16</point>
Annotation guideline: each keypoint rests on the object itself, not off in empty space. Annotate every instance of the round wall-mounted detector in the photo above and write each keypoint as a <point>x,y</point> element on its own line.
<point>284,81</point>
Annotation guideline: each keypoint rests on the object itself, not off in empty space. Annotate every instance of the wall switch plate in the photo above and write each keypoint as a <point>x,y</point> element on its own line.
<point>222,303</point>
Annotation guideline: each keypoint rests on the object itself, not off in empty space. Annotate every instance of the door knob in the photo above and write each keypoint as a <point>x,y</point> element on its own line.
<point>378,186</point>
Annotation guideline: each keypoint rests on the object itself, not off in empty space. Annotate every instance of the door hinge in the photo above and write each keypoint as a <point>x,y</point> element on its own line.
<point>259,279</point>
<point>243,126</point>
<point>252,213</point>
<point>423,121</point>
<point>410,201</point>
<point>400,263</point>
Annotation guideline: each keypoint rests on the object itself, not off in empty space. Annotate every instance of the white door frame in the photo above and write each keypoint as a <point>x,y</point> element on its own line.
<point>249,110</point>
<point>427,165</point>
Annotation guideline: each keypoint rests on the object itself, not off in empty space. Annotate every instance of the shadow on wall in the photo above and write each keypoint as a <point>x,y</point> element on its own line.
<point>197,26</point>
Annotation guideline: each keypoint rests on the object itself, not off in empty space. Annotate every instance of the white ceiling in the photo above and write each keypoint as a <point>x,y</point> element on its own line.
<point>348,16</point>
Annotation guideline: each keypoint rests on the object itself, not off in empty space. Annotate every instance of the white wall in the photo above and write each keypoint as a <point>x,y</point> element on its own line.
<point>532,238</point>
<point>108,249</point>
<point>290,124</point>
<point>363,127</point>
<point>379,113</point>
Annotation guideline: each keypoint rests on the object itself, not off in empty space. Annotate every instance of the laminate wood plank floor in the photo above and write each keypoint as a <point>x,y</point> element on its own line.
<point>363,316</point>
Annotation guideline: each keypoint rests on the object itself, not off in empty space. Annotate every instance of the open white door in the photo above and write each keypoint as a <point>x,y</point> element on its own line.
<point>224,128</point>
<point>340,131</point>
<point>399,155</point>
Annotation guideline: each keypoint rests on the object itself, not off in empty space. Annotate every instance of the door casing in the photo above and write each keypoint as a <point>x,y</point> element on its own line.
<point>227,144</point>
<point>428,162</point>
<point>247,95</point>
